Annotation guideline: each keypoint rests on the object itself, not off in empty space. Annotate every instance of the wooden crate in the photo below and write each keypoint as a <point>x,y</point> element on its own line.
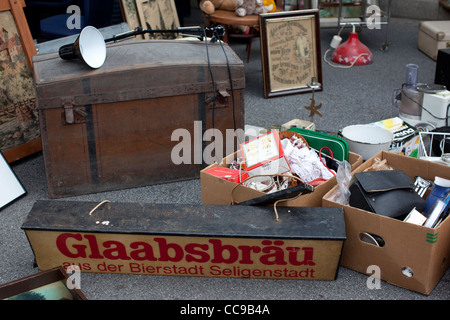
<point>187,240</point>
<point>111,128</point>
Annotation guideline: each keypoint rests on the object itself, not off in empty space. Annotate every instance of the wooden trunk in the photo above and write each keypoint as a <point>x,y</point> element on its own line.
<point>111,128</point>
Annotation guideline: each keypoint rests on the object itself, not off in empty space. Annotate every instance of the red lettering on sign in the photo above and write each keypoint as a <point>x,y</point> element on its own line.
<point>275,255</point>
<point>76,245</point>
<point>164,248</point>
<point>118,250</point>
<point>191,248</point>
<point>247,253</point>
<point>219,249</point>
<point>95,252</point>
<point>61,244</point>
<point>146,253</point>
<point>307,256</point>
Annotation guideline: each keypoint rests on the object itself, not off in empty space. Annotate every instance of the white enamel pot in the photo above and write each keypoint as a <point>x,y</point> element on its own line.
<point>367,140</point>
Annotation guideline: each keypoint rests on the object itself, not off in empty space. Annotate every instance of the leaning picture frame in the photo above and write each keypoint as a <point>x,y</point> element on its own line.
<point>53,284</point>
<point>19,122</point>
<point>131,15</point>
<point>11,188</point>
<point>290,51</point>
<point>153,15</point>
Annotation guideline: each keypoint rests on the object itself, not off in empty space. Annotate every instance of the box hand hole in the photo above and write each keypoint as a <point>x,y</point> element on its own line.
<point>408,272</point>
<point>372,239</point>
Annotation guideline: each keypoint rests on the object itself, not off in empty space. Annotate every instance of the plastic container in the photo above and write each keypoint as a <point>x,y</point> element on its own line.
<point>411,100</point>
<point>440,190</point>
<point>412,73</point>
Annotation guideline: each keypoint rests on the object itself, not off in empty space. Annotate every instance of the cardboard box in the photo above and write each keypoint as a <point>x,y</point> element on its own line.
<point>216,191</point>
<point>187,240</point>
<point>233,175</point>
<point>413,257</point>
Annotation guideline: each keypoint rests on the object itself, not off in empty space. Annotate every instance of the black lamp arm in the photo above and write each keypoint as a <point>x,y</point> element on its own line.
<point>199,32</point>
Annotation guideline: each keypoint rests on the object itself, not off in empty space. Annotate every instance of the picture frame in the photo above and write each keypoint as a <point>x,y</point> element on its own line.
<point>158,14</point>
<point>131,15</point>
<point>10,187</point>
<point>19,123</point>
<point>45,285</point>
<point>290,52</point>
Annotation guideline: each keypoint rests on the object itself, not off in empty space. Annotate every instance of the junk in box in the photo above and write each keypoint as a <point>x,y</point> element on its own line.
<point>219,191</point>
<point>408,254</point>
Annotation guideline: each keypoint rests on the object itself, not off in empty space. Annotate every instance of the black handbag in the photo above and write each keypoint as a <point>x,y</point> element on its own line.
<point>388,193</point>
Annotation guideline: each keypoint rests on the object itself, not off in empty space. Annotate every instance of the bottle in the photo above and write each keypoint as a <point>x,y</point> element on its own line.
<point>440,191</point>
<point>411,98</point>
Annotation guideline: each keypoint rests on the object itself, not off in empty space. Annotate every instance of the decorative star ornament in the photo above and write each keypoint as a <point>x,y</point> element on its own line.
<point>313,108</point>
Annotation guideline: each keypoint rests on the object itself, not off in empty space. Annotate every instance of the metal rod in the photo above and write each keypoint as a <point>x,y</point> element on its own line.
<point>199,32</point>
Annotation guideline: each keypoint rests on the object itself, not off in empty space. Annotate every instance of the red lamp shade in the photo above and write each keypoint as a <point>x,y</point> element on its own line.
<point>352,52</point>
